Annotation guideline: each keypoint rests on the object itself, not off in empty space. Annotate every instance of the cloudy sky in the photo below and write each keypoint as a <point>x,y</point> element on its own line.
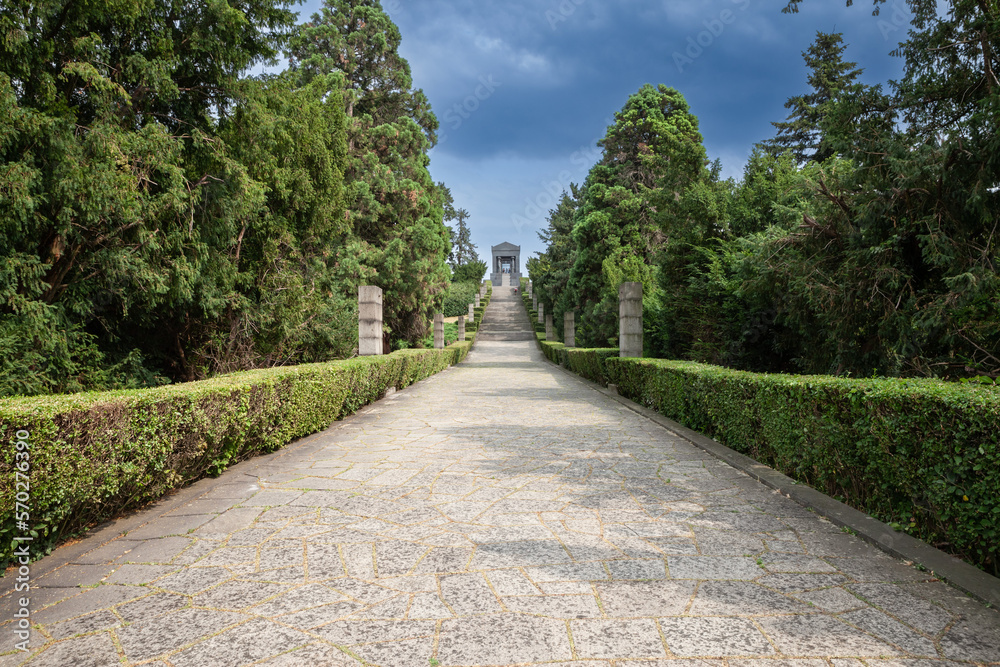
<point>523,89</point>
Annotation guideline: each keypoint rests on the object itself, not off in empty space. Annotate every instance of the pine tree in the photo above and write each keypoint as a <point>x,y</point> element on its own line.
<point>802,132</point>
<point>394,208</point>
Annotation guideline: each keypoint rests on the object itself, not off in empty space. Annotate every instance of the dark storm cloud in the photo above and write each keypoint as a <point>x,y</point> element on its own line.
<point>523,89</point>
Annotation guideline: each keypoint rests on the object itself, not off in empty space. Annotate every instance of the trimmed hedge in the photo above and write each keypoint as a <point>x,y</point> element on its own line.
<point>95,455</point>
<point>590,363</point>
<point>922,455</point>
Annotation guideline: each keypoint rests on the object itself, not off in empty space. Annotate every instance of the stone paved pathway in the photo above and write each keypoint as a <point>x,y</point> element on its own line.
<point>500,513</point>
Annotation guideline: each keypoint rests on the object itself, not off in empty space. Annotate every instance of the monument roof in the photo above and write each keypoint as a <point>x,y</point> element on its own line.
<point>506,246</point>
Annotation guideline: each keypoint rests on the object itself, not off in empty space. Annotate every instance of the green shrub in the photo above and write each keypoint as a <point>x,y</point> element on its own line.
<point>457,298</point>
<point>95,455</point>
<point>922,455</point>
<point>551,349</point>
<point>590,363</point>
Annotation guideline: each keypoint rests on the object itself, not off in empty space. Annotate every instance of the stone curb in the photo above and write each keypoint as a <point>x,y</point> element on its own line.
<point>963,576</point>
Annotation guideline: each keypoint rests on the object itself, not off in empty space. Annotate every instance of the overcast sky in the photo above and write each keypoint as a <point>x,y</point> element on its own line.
<point>523,89</point>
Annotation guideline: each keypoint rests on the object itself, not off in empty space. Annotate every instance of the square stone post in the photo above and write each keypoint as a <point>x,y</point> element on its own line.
<point>472,312</point>
<point>630,320</point>
<point>478,301</point>
<point>461,327</point>
<point>369,321</point>
<point>529,288</point>
<point>439,331</point>
<point>569,328</point>
<point>550,328</point>
<point>541,312</point>
<point>534,302</point>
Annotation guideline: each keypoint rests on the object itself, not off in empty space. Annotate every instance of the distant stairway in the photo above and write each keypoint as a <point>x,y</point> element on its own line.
<point>505,317</point>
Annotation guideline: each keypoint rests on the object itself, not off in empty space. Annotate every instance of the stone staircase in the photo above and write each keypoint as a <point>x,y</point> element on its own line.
<point>505,317</point>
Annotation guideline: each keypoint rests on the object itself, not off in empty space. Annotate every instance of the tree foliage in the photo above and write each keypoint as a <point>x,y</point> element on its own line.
<point>802,132</point>
<point>867,246</point>
<point>163,217</point>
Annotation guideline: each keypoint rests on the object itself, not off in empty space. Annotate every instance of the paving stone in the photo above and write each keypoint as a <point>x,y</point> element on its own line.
<point>976,638</point>
<point>394,558</point>
<point>511,582</point>
<point>822,636</point>
<point>713,567</point>
<point>73,576</point>
<point>352,633</point>
<point>519,554</point>
<point>833,600</point>
<point>193,580</point>
<point>298,599</point>
<point>727,543</point>
<point>617,639</point>
<point>555,606</point>
<point>444,559</point>
<point>779,562</point>
<point>638,569</point>
<point>741,598</point>
<point>468,594</point>
<point>151,606</point>
<point>107,553</point>
<point>169,525</point>
<point>884,627</point>
<point>139,574</point>
<point>505,639</point>
<point>229,522</point>
<point>252,641</point>
<point>102,597</point>
<point>99,620</point>
<point>908,608</point>
<point>235,595</point>
<point>89,651</point>
<point>880,569</point>
<point>270,498</point>
<point>313,655</point>
<point>632,599</point>
<point>795,583</point>
<point>568,572</point>
<point>405,653</point>
<point>308,619</point>
<point>152,638</point>
<point>714,637</point>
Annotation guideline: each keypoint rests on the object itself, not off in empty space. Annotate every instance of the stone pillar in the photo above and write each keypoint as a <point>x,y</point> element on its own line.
<point>550,328</point>
<point>472,312</point>
<point>630,320</point>
<point>534,302</point>
<point>369,321</point>
<point>541,312</point>
<point>461,327</point>
<point>569,328</point>
<point>439,331</point>
<point>529,288</point>
<point>478,301</point>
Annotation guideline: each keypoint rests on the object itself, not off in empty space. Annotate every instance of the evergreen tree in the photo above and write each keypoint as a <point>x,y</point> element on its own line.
<point>652,152</point>
<point>394,208</point>
<point>802,132</point>
<point>120,208</point>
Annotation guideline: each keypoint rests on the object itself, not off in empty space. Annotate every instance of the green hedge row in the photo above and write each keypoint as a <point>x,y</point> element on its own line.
<point>586,362</point>
<point>922,455</point>
<point>92,456</point>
